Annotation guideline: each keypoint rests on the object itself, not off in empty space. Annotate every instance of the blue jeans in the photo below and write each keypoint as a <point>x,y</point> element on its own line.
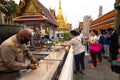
<point>79,61</point>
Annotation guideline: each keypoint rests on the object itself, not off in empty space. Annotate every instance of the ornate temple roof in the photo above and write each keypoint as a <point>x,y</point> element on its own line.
<point>33,10</point>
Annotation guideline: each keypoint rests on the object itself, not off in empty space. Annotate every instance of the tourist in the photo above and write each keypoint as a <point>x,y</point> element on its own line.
<point>106,45</point>
<point>113,43</point>
<point>93,39</point>
<point>101,41</point>
<point>78,51</point>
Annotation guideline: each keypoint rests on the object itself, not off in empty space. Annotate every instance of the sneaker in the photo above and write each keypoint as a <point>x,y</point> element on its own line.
<point>76,72</point>
<point>82,72</point>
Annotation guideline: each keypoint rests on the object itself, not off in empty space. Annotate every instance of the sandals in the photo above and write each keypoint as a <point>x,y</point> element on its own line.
<point>92,67</point>
<point>98,63</point>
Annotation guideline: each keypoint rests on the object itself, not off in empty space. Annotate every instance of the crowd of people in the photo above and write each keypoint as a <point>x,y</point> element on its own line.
<point>109,47</point>
<point>109,40</point>
<point>13,51</point>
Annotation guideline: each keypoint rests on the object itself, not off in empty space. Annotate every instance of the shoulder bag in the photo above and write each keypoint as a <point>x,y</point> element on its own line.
<point>96,47</point>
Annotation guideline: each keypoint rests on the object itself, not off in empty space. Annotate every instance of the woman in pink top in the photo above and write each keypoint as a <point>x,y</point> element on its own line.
<point>93,40</point>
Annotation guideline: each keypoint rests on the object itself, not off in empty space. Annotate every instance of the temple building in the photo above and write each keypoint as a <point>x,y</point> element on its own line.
<point>102,22</point>
<point>63,25</point>
<point>1,14</point>
<point>105,21</point>
<point>33,14</point>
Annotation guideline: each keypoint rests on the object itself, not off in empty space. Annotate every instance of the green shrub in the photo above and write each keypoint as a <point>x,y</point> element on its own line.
<point>66,36</point>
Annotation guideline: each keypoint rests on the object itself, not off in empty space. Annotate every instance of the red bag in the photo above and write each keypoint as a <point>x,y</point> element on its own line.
<point>96,47</point>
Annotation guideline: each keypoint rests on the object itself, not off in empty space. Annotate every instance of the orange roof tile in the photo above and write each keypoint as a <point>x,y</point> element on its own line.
<point>104,21</point>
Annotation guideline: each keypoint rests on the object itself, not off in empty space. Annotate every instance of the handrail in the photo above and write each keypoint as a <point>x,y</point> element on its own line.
<point>67,71</point>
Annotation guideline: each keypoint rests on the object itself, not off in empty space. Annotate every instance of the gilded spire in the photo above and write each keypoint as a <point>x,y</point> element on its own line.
<point>60,18</point>
<point>59,4</point>
<point>60,15</point>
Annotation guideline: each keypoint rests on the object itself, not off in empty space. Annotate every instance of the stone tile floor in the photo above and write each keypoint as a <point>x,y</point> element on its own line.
<point>102,72</point>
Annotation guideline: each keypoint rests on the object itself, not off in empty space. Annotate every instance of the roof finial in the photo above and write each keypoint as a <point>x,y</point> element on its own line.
<point>59,4</point>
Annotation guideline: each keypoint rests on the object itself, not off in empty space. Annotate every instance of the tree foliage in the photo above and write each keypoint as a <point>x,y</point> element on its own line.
<point>66,36</point>
<point>9,8</point>
<point>2,1</point>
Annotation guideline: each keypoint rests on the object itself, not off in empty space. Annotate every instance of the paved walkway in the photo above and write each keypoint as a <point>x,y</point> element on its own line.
<point>102,72</point>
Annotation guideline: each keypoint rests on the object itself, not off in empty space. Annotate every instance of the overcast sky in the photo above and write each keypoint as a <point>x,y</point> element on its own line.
<point>75,10</point>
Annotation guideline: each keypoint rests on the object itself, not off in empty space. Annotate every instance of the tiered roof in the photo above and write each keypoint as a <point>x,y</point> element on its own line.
<point>33,10</point>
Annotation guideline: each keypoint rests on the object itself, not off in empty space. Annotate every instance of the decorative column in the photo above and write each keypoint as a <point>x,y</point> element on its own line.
<point>86,25</point>
<point>1,18</point>
<point>117,14</point>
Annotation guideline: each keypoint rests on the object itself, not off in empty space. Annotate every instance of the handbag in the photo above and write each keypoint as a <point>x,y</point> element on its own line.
<point>96,47</point>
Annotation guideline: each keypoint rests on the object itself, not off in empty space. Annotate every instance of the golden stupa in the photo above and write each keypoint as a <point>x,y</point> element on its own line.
<point>63,25</point>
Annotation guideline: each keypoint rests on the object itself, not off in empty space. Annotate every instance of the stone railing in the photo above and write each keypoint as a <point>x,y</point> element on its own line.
<point>52,67</point>
<point>47,69</point>
<point>67,71</point>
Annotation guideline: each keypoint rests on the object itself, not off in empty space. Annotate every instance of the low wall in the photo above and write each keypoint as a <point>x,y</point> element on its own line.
<point>47,69</point>
<point>67,71</point>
